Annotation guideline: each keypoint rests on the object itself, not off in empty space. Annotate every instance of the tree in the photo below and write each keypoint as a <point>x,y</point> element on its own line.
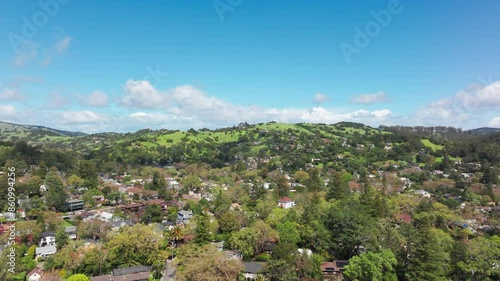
<point>93,229</point>
<point>228,222</point>
<point>280,270</point>
<point>158,182</point>
<point>152,213</point>
<point>482,259</point>
<point>277,216</point>
<point>265,235</point>
<point>314,183</point>
<point>138,244</point>
<point>372,266</point>
<point>288,232</point>
<point>245,241</point>
<point>301,176</point>
<point>176,235</point>
<point>62,238</point>
<point>351,228</point>
<point>281,187</point>
<point>202,230</point>
<point>429,255</point>
<point>78,277</point>
<point>337,188</point>
<point>55,196</point>
<point>197,263</point>
<point>88,173</point>
<point>265,207</point>
<point>74,180</point>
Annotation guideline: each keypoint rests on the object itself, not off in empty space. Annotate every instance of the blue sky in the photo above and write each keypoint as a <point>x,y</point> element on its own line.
<point>126,65</point>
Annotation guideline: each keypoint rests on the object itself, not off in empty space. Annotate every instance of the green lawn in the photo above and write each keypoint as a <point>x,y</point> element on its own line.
<point>66,223</point>
<point>431,145</point>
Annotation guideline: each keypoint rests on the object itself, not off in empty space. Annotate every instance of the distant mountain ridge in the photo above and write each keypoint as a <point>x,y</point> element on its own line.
<point>16,132</point>
<point>485,130</point>
<point>42,134</point>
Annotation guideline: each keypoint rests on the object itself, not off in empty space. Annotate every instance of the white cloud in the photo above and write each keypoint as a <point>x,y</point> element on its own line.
<point>197,109</point>
<point>481,97</point>
<point>494,122</point>
<point>63,44</point>
<point>461,110</point>
<point>382,113</point>
<point>320,98</point>
<point>7,112</point>
<point>94,99</point>
<point>322,115</point>
<point>82,117</point>
<point>56,101</point>
<point>141,94</point>
<point>370,98</point>
<point>11,95</point>
<point>26,52</point>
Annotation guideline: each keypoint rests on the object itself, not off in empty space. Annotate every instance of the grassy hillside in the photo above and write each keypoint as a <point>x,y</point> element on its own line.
<point>33,134</point>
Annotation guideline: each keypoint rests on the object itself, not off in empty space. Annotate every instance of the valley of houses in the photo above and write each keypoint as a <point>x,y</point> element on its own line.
<point>136,198</point>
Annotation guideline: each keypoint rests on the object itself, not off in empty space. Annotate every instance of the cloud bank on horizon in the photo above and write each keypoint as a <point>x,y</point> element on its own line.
<point>72,74</point>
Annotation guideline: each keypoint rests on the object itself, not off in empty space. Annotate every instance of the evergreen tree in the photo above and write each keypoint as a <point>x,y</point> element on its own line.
<point>314,183</point>
<point>55,196</point>
<point>88,172</point>
<point>337,188</point>
<point>202,231</point>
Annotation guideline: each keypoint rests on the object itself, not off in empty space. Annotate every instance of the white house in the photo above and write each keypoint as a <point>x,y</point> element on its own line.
<point>48,238</point>
<point>423,193</point>
<point>286,202</point>
<point>43,252</point>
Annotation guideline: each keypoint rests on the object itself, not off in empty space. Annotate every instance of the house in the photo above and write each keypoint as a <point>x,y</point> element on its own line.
<point>286,203</point>
<point>74,205</point>
<point>134,273</point>
<point>233,254</point>
<point>116,225</point>
<point>219,245</point>
<point>307,252</point>
<point>333,270</point>
<point>235,206</point>
<point>104,216</point>
<point>47,238</point>
<point>403,218</point>
<point>173,184</point>
<point>251,269</point>
<point>423,193</point>
<point>21,213</point>
<point>43,252</point>
<point>133,208</point>
<point>35,275</point>
<point>184,216</point>
<point>158,202</point>
<point>71,231</point>
<point>483,209</point>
